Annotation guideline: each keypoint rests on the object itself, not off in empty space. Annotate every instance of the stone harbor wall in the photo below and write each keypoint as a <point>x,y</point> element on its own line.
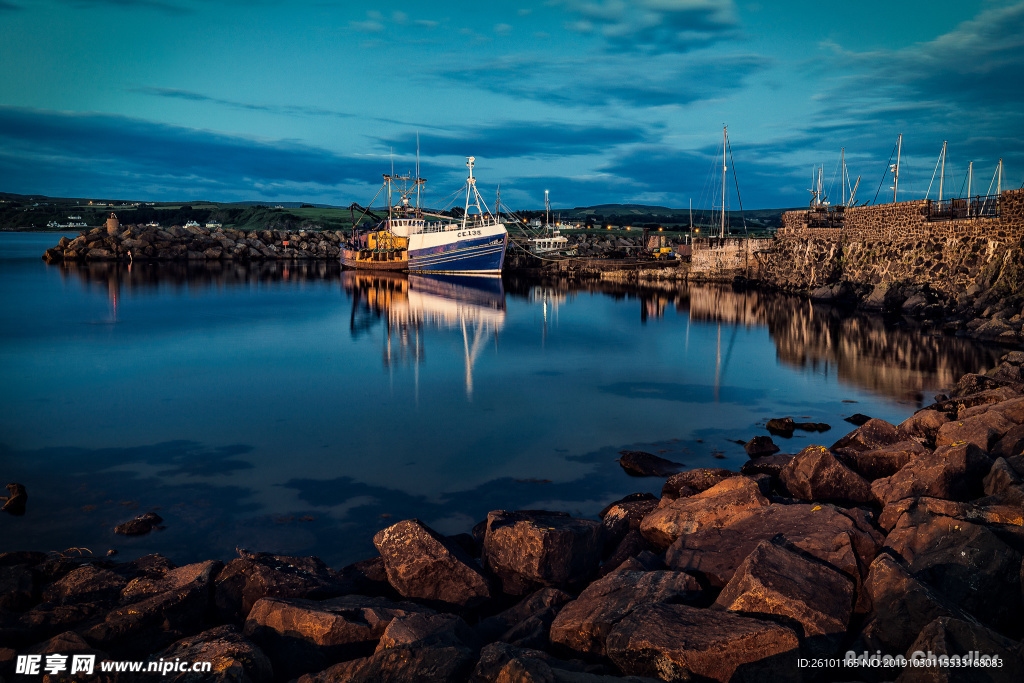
<point>722,259</point>
<point>964,274</point>
<point>894,539</point>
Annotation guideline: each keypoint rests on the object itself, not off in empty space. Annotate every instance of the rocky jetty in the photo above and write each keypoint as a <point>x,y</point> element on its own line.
<point>194,243</point>
<point>894,540</point>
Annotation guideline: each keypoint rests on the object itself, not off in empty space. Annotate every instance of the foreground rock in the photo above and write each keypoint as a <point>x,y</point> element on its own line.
<point>422,564</point>
<point>641,464</point>
<point>673,642</point>
<point>731,499</point>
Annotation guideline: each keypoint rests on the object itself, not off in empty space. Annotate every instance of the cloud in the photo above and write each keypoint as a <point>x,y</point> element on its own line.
<point>376,23</point>
<point>526,139</point>
<point>171,8</point>
<point>653,26</point>
<point>290,109</point>
<point>51,151</point>
<point>613,79</point>
<point>959,87</point>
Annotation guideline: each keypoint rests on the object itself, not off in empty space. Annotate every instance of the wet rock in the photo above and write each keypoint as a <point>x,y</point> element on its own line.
<point>673,642</point>
<point>530,549</point>
<point>902,606</point>
<point>923,425</point>
<point>881,462</point>
<point>423,565</point>
<point>844,539</point>
<point>696,481</point>
<point>990,512</point>
<point>733,498</point>
<point>780,426</point>
<point>430,648</point>
<point>621,518</point>
<point>1010,445</point>
<point>504,663</point>
<point>631,545</point>
<point>234,658</point>
<point>968,563</point>
<point>984,430</point>
<point>16,501</point>
<point>771,465</point>
<point>156,612</point>
<point>142,524</point>
<point>583,625</point>
<point>954,472</point>
<point>858,419</point>
<point>773,580</point>
<point>641,464</point>
<point>760,446</point>
<point>869,436</point>
<point>86,584</point>
<point>948,636</point>
<point>545,600</point>
<point>814,474</point>
<point>253,576</point>
<point>301,636</point>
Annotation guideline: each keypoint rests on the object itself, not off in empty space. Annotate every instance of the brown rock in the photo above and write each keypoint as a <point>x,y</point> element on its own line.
<point>253,576</point>
<point>923,425</point>
<point>902,606</point>
<point>631,545</point>
<point>622,518</point>
<point>779,582</point>
<point>1003,481</point>
<point>422,564</point>
<point>988,512</point>
<point>771,465</point>
<point>531,549</point>
<point>814,474</point>
<point>86,584</point>
<point>583,625</point>
<point>844,539</point>
<point>18,589</point>
<point>967,562</point>
<point>733,498</point>
<point>641,464</point>
<point>142,524</point>
<point>950,637</point>
<point>546,599</point>
<point>760,445</point>
<point>697,481</point>
<point>157,612</point>
<point>872,434</point>
<point>1011,444</point>
<point>954,472</point>
<point>781,426</point>
<point>234,658</point>
<point>16,502</point>
<point>504,663</point>
<point>881,462</point>
<point>301,636</point>
<point>984,430</point>
<point>673,642</point>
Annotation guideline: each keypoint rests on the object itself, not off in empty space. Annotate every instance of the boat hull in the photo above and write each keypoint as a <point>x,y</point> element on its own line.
<point>350,259</point>
<point>479,250</point>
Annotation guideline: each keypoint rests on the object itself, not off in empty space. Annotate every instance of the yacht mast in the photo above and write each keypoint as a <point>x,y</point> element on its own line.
<point>896,185</point>
<point>970,175</point>
<point>942,172</point>
<point>999,184</point>
<point>724,144</point>
<point>843,154</point>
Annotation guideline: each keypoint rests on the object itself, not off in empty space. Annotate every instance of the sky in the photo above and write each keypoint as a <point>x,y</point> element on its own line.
<point>597,101</point>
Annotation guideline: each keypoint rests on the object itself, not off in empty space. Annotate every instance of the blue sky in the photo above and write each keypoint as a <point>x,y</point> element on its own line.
<point>599,101</point>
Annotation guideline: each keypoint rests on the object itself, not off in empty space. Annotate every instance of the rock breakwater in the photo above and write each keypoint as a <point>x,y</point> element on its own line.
<point>195,243</point>
<point>895,539</point>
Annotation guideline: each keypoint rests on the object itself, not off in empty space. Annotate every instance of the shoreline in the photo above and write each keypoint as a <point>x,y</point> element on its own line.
<point>570,596</point>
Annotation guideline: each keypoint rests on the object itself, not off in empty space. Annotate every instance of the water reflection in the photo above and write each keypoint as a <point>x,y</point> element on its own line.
<point>406,304</point>
<point>896,359</point>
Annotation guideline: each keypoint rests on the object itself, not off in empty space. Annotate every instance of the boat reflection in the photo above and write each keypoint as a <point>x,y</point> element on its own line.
<point>409,304</point>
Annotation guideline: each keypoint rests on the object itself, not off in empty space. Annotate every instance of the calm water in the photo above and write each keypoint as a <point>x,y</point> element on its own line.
<point>299,409</point>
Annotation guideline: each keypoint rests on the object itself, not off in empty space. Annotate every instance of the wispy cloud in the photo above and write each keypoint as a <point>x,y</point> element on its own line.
<point>171,8</point>
<point>653,26</point>
<point>139,153</point>
<point>611,79</point>
<point>376,22</point>
<point>289,109</point>
<point>526,139</point>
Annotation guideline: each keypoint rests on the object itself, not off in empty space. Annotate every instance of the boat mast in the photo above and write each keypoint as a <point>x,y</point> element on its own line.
<point>843,154</point>
<point>724,143</point>
<point>418,181</point>
<point>942,172</point>
<point>547,210</point>
<point>999,183</point>
<point>970,174</point>
<point>896,184</point>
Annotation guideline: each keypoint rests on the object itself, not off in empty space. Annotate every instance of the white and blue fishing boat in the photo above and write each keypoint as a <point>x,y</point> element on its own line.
<point>474,244</point>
